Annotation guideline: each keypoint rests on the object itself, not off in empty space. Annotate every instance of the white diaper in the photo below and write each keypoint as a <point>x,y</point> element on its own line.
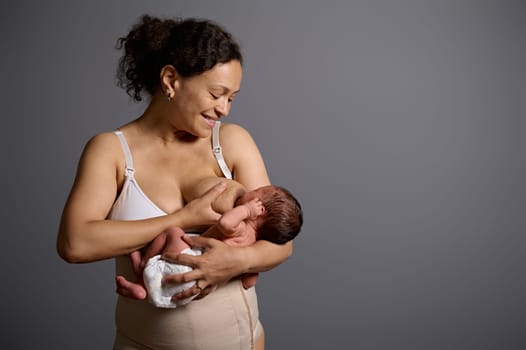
<point>155,270</point>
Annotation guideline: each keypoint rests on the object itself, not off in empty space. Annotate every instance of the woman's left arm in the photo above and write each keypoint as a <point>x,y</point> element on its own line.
<point>249,169</point>
<point>221,262</point>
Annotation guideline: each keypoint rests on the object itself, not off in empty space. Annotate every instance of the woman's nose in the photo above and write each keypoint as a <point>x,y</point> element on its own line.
<point>223,107</point>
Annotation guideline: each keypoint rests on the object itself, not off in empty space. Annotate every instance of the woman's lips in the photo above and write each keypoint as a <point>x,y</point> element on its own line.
<point>209,121</point>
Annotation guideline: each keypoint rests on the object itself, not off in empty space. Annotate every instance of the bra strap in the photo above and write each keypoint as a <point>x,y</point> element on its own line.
<point>218,153</point>
<point>127,153</point>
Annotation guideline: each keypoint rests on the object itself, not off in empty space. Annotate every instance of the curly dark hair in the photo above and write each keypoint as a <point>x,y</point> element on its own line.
<point>283,218</point>
<point>191,45</point>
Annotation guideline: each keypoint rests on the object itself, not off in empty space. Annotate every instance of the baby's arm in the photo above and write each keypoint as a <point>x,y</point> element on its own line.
<point>230,222</point>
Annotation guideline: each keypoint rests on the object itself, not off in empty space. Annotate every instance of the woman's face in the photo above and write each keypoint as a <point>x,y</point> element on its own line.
<point>201,100</point>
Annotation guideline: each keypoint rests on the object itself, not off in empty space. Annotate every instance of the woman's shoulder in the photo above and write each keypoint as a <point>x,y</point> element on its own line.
<point>232,128</point>
<point>104,140</point>
<point>243,156</point>
<point>104,137</point>
<point>234,134</point>
<point>235,141</point>
<point>105,145</point>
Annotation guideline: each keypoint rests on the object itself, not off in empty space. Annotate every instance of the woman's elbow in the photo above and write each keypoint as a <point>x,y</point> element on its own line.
<point>67,253</point>
<point>71,252</point>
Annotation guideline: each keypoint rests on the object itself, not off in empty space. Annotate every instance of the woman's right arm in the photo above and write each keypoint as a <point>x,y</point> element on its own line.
<point>86,235</point>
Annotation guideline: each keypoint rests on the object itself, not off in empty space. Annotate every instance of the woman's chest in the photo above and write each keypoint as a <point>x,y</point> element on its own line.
<point>165,177</point>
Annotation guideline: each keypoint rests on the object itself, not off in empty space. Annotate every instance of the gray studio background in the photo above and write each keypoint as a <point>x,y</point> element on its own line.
<point>398,124</point>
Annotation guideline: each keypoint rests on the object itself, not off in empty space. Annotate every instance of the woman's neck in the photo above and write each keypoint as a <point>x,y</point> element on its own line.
<point>156,122</point>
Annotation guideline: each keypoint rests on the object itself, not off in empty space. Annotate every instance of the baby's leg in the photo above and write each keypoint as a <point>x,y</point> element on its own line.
<point>174,240</point>
<point>134,290</point>
<point>170,239</point>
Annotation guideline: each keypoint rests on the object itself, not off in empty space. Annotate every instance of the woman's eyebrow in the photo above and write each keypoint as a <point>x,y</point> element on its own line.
<point>224,88</point>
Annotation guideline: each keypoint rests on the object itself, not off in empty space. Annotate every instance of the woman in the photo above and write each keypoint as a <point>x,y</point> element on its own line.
<point>130,183</point>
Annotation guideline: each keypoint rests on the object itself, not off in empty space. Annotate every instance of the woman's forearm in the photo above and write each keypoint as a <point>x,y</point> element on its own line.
<point>103,239</point>
<point>263,256</point>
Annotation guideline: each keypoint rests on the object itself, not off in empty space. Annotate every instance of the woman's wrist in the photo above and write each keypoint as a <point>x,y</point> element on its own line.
<point>182,218</point>
<point>243,259</point>
<point>263,256</point>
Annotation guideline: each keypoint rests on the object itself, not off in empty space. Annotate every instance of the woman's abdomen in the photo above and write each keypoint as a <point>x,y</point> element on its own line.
<point>225,319</point>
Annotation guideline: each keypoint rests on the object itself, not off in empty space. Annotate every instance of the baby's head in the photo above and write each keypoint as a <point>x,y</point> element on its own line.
<point>283,214</point>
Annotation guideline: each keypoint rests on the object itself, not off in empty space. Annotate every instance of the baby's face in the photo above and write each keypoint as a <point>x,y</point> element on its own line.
<point>257,193</point>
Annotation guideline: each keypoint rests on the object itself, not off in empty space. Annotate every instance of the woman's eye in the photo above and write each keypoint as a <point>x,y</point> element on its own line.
<point>214,96</point>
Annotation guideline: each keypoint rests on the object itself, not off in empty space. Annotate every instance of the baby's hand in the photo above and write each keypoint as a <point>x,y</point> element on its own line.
<point>256,208</point>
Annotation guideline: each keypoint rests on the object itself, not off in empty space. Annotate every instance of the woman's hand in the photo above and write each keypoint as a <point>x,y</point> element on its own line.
<point>200,210</point>
<point>218,264</point>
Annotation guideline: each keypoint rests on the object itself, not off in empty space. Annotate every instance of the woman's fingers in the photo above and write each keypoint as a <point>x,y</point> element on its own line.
<point>182,259</point>
<point>199,242</point>
<point>198,290</point>
<point>214,192</point>
<point>204,292</point>
<point>205,267</point>
<point>190,292</point>
<point>196,242</point>
<point>183,277</point>
<point>201,208</point>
